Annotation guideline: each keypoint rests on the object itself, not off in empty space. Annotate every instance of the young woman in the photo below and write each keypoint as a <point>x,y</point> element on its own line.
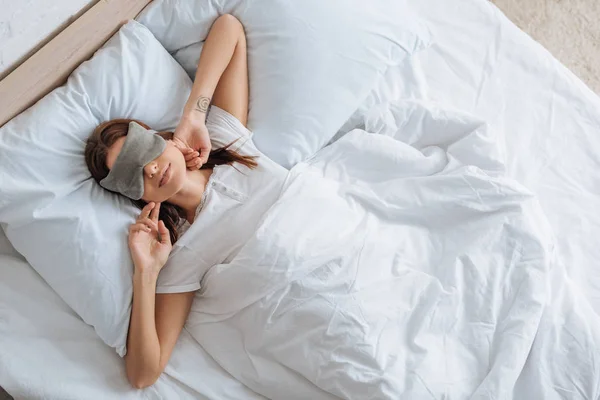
<point>178,181</point>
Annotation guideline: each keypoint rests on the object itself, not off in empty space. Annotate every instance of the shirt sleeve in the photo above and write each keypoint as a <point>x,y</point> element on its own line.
<point>224,129</point>
<point>182,273</point>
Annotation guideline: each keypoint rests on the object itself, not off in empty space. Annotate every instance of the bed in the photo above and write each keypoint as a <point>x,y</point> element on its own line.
<point>547,121</point>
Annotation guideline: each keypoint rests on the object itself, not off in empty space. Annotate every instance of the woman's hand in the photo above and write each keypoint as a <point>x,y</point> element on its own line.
<point>192,133</point>
<point>192,157</point>
<point>149,241</point>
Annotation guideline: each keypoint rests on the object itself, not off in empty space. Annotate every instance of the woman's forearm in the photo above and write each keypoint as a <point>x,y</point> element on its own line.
<point>218,49</point>
<point>143,347</point>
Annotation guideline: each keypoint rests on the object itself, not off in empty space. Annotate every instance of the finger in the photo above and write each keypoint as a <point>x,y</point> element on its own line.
<point>180,144</point>
<point>204,155</point>
<point>193,162</point>
<point>146,210</point>
<point>149,223</point>
<point>165,238</point>
<point>139,228</point>
<point>186,151</point>
<point>142,224</point>
<point>191,156</point>
<point>155,211</point>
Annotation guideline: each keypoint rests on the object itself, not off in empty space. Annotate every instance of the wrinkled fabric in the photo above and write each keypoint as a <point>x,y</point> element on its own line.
<point>398,262</point>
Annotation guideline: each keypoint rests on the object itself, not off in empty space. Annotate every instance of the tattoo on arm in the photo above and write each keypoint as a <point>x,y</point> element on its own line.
<point>202,104</point>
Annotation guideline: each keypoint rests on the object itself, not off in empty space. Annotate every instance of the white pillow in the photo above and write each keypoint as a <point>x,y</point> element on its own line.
<point>311,62</point>
<point>404,81</point>
<point>73,232</point>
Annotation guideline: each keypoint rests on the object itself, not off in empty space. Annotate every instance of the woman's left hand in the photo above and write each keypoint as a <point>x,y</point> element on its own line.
<point>192,133</point>
<point>149,240</point>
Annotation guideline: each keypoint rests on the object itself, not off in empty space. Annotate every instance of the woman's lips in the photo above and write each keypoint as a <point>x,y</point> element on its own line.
<point>166,176</point>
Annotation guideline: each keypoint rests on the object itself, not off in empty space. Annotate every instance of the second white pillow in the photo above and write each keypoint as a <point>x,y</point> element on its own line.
<point>311,63</point>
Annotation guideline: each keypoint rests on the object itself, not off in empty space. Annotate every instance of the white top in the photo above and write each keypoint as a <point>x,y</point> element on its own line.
<point>232,206</point>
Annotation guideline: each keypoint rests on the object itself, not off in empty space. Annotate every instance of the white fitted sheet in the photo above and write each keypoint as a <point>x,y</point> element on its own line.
<point>48,352</point>
<point>547,120</point>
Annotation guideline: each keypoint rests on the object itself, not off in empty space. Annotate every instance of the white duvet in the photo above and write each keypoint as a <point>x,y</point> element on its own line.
<point>400,263</point>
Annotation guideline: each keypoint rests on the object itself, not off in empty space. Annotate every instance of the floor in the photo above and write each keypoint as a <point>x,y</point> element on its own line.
<point>25,25</point>
<point>569,29</point>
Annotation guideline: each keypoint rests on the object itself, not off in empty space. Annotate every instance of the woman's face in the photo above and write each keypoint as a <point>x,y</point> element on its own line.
<point>163,177</point>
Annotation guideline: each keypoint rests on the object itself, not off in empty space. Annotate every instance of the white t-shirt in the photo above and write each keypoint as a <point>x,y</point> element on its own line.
<point>233,204</point>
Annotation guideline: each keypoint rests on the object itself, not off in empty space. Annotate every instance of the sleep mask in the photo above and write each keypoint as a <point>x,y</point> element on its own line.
<point>127,174</point>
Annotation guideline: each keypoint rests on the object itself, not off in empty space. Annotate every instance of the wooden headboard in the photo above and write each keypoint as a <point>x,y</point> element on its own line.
<point>50,66</point>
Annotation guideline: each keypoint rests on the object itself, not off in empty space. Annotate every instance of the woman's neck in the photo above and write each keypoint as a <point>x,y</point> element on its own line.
<point>190,196</point>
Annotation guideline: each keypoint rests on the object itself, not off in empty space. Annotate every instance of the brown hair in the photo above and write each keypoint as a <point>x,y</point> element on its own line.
<point>107,133</point>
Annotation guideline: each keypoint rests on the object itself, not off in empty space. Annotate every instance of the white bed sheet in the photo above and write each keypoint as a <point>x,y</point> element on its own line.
<point>547,120</point>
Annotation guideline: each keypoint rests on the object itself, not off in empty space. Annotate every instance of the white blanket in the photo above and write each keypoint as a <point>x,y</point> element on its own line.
<point>399,264</point>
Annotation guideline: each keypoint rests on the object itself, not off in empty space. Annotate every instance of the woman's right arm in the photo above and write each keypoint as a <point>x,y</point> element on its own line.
<point>221,77</point>
<point>156,320</point>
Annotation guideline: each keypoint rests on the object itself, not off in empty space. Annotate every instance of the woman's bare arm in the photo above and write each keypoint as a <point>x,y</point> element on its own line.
<point>222,73</point>
<point>156,320</point>
<point>221,78</point>
<point>153,330</point>
<point>231,93</point>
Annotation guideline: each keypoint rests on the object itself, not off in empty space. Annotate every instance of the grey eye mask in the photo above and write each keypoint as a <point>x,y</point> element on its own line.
<point>127,174</point>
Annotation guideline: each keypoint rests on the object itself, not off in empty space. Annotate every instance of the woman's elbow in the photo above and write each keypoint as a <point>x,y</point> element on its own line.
<point>141,382</point>
<point>230,23</point>
<point>141,378</point>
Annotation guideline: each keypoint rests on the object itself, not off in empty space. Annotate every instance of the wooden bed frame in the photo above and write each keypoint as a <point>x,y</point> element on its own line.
<point>50,66</point>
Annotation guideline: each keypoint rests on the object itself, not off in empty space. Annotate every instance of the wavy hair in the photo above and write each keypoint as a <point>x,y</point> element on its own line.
<point>107,133</point>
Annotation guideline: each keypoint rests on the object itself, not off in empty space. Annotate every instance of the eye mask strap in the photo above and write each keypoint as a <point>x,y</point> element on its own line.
<point>127,174</point>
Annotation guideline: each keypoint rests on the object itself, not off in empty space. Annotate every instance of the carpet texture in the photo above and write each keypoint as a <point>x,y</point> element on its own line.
<point>569,29</point>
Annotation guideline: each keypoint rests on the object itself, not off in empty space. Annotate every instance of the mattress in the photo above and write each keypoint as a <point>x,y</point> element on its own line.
<point>546,120</point>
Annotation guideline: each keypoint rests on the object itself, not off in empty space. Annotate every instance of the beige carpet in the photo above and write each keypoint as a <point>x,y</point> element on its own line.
<point>569,29</point>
